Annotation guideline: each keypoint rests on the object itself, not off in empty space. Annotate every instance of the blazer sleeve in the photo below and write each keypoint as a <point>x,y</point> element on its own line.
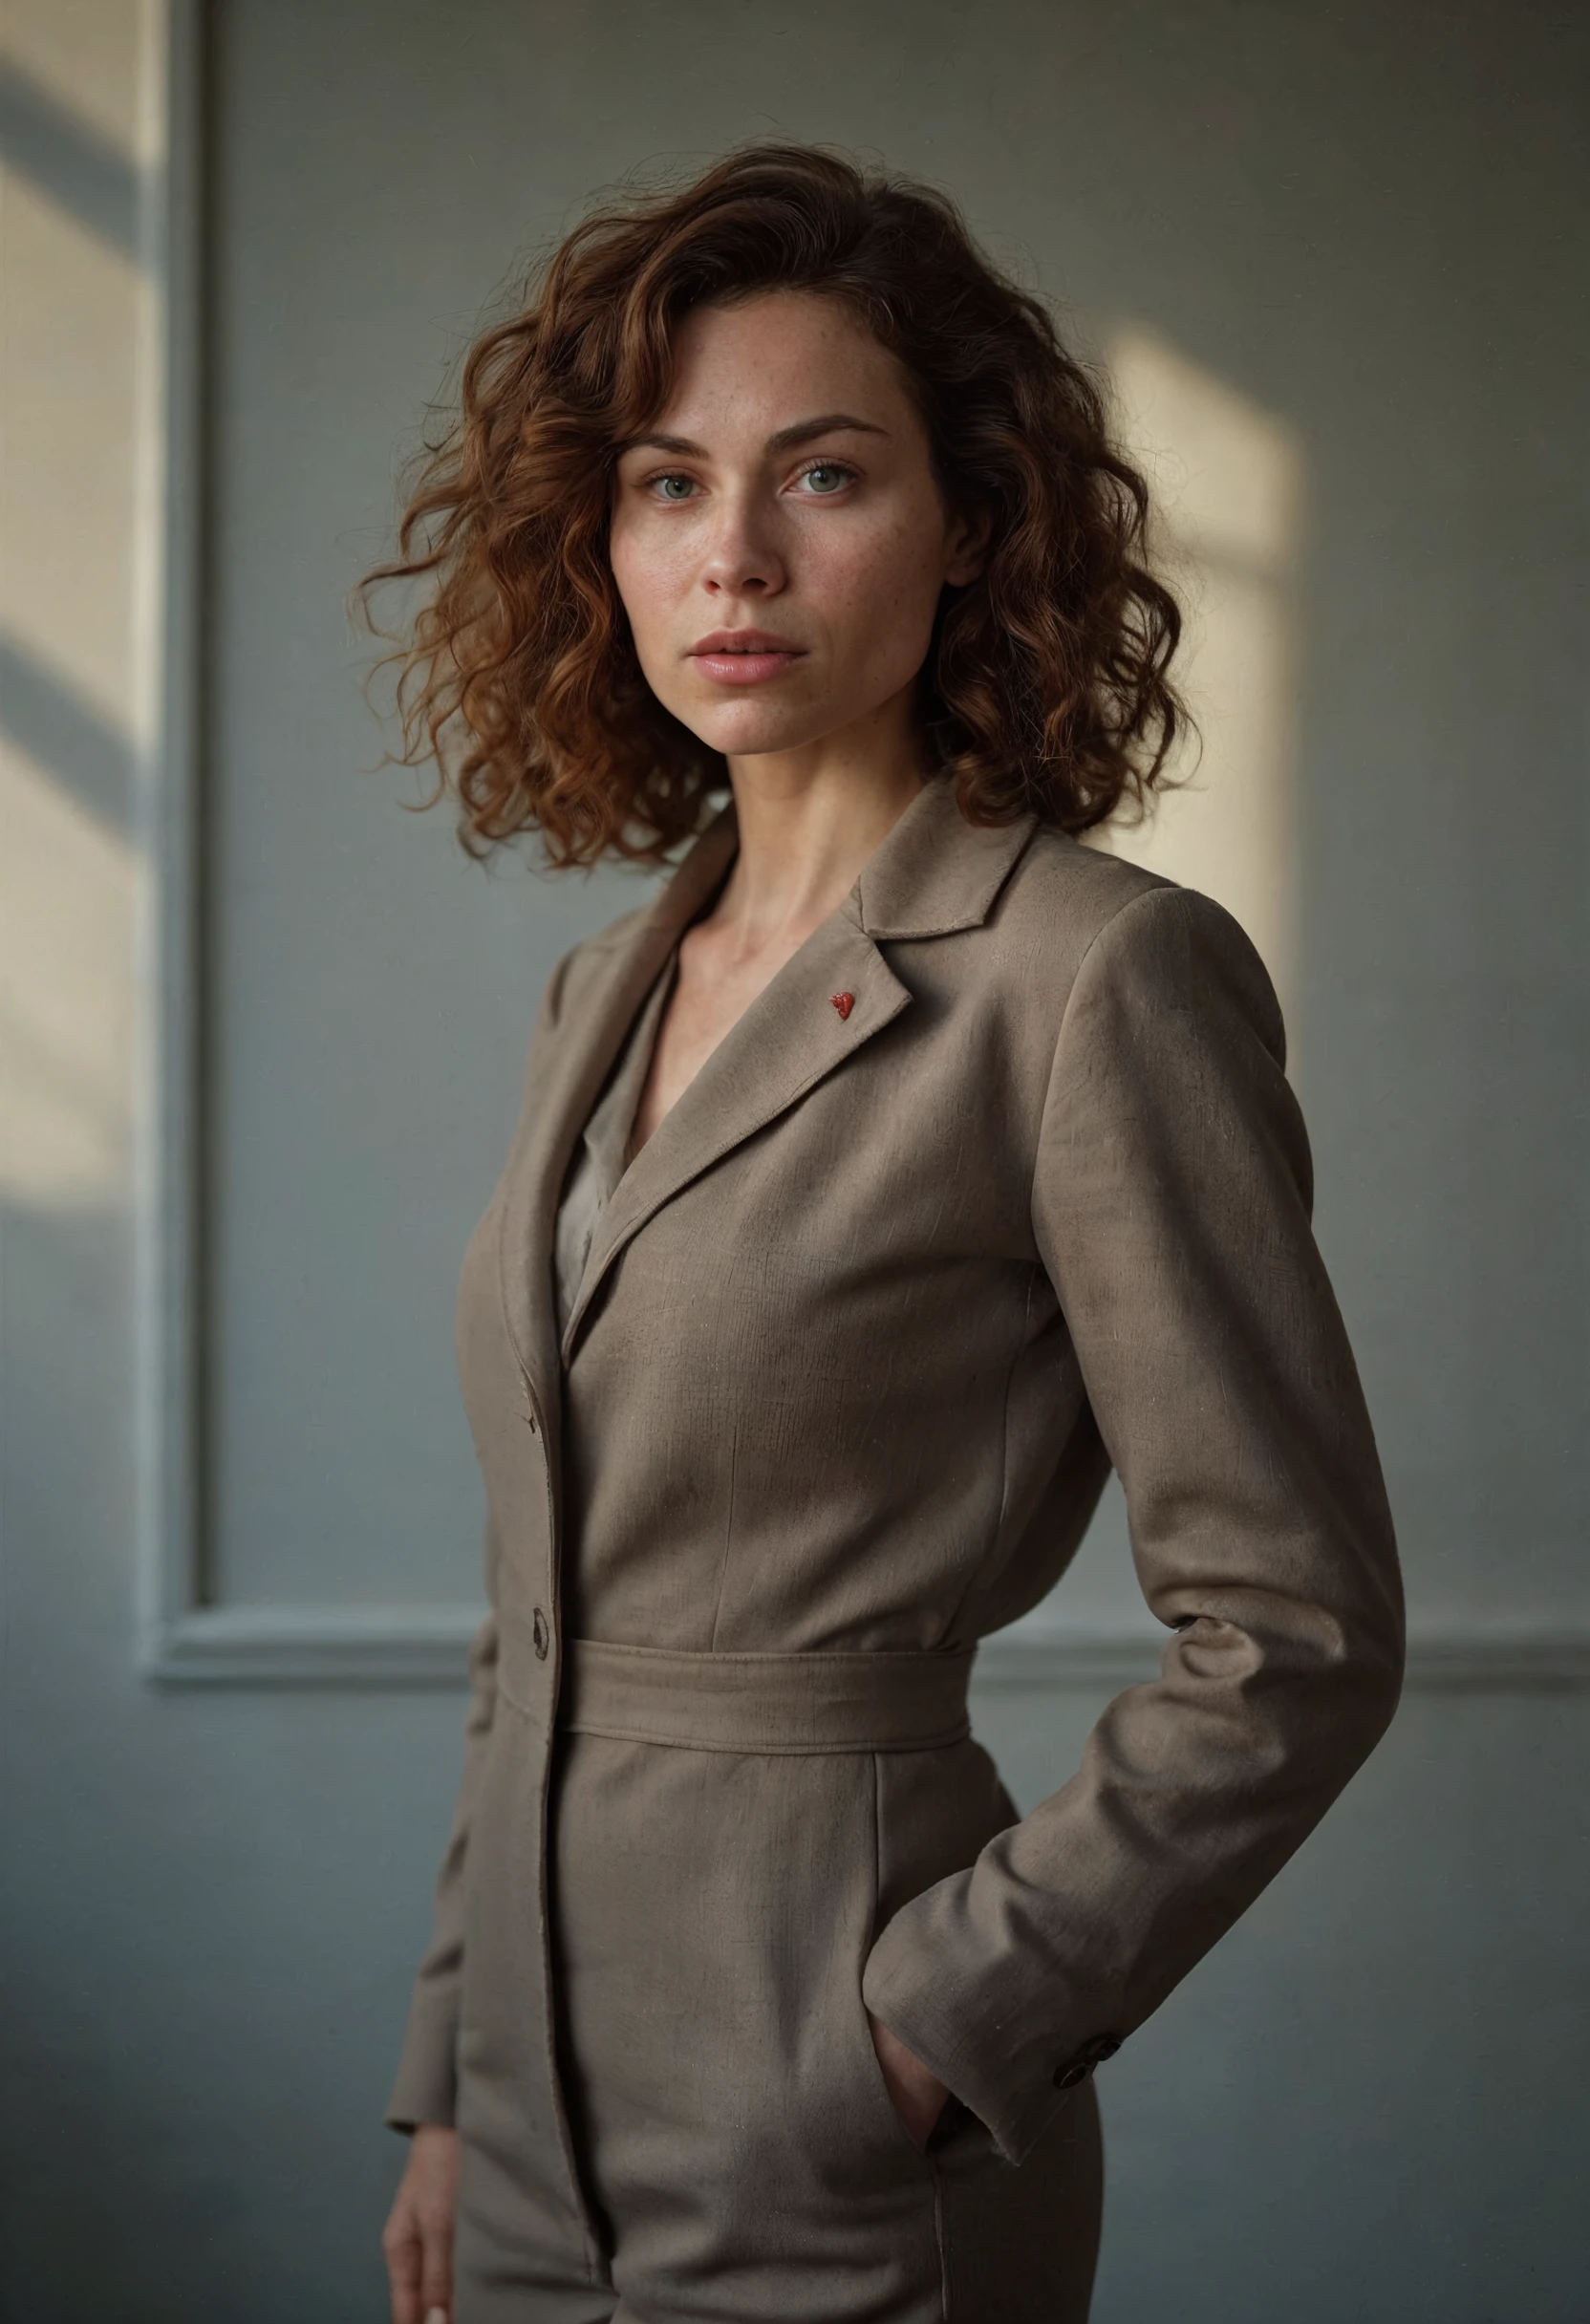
<point>1170,1206</point>
<point>426,2088</point>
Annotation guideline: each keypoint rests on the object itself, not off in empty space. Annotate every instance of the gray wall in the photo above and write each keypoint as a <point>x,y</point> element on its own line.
<point>1371,225</point>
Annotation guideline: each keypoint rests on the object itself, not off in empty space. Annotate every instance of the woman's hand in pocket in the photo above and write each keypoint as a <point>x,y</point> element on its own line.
<point>418,2238</point>
<point>918,2094</point>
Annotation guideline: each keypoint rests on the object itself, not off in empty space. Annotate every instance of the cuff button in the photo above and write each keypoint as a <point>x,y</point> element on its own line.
<point>1091,2054</point>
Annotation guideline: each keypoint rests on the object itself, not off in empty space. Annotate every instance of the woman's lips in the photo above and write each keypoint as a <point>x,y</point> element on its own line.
<point>750,660</point>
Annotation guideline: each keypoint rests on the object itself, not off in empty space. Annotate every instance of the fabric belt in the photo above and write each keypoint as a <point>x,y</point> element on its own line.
<point>764,1703</point>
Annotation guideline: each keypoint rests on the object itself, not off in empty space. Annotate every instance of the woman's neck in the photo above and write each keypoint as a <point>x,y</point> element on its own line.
<point>807,822</point>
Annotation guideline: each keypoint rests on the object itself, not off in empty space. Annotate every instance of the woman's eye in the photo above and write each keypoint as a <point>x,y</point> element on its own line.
<point>827,476</point>
<point>674,487</point>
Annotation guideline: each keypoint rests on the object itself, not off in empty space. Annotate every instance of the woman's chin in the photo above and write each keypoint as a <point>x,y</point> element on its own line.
<point>753,729</point>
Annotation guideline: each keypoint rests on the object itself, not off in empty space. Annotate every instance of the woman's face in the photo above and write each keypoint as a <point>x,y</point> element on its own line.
<point>779,539</point>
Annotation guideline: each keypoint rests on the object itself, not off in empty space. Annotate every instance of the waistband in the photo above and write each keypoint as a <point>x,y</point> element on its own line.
<point>785,1704</point>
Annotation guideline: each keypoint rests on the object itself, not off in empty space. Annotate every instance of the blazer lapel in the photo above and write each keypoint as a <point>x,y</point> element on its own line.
<point>556,1109</point>
<point>829,999</point>
<point>934,874</point>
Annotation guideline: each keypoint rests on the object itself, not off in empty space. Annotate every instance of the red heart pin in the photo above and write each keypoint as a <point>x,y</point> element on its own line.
<point>844,1002</point>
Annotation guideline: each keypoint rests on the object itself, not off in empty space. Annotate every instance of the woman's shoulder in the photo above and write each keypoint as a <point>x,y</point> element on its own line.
<point>585,965</point>
<point>1078,885</point>
<point>1074,913</point>
<point>1062,896</point>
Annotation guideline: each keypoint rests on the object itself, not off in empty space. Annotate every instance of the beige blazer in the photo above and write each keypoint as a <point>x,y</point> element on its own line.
<point>999,1183</point>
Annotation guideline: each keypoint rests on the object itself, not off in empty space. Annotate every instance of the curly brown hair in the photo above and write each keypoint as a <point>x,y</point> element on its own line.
<point>1046,685</point>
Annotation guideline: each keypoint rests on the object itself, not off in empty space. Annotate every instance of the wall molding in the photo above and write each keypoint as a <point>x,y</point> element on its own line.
<point>283,1646</point>
<point>168,1302</point>
<point>408,1646</point>
<point>184,1640</point>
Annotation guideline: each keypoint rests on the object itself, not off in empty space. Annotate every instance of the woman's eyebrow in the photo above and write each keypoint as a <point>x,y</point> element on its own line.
<point>828,424</point>
<point>801,431</point>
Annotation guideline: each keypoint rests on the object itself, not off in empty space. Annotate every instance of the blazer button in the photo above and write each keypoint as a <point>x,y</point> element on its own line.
<point>540,1635</point>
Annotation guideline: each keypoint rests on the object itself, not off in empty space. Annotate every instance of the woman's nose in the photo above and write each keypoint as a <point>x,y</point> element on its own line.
<point>744,556</point>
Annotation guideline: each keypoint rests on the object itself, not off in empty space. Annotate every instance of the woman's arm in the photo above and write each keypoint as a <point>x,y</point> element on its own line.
<point>1171,1209</point>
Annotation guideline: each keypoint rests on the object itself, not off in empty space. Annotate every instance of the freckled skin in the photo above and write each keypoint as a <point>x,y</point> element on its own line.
<point>849,563</point>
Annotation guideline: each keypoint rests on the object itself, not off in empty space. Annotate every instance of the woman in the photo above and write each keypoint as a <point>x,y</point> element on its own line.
<point>898,1171</point>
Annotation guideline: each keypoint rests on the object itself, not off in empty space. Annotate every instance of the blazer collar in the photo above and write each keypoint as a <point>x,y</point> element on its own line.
<point>935,874</point>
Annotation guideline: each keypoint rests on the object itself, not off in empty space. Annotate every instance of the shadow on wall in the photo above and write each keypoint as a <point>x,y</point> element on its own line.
<point>76,699</point>
<point>68,879</point>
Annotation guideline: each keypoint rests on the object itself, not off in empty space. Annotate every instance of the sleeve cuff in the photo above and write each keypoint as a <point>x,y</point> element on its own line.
<point>1015,2106</point>
<point>427,2085</point>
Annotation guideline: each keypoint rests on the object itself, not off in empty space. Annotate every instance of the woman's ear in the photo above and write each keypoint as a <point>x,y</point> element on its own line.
<point>966,545</point>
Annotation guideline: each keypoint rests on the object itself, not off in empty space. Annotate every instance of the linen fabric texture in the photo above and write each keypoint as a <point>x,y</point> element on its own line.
<point>857,1338</point>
